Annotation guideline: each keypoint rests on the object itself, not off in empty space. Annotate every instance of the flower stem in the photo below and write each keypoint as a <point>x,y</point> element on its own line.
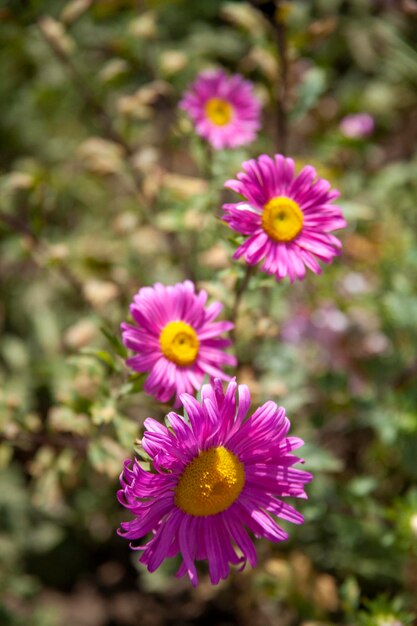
<point>274,13</point>
<point>240,288</point>
<point>282,95</point>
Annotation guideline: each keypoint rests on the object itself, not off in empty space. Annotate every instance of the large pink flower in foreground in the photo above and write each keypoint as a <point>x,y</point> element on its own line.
<point>213,476</point>
<point>288,219</point>
<point>176,339</point>
<point>224,109</point>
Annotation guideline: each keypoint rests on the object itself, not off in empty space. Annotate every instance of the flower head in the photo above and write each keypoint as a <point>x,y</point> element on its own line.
<point>288,219</point>
<point>215,475</point>
<point>357,125</point>
<point>224,109</point>
<point>176,339</point>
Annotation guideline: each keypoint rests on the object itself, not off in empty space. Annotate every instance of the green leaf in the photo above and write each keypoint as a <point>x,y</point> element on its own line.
<point>362,486</point>
<point>134,385</point>
<point>101,355</point>
<point>115,342</point>
<point>106,456</point>
<point>309,91</point>
<point>127,431</point>
<point>321,460</point>
<point>103,413</point>
<point>63,419</point>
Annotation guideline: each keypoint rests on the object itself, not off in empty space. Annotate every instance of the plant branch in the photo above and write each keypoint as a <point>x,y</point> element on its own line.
<point>96,107</point>
<point>57,441</point>
<point>273,11</point>
<point>111,133</point>
<point>84,89</point>
<point>240,288</point>
<point>282,95</point>
<point>22,228</point>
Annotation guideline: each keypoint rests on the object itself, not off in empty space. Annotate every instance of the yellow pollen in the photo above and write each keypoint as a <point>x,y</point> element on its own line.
<point>219,111</point>
<point>282,219</point>
<point>210,483</point>
<point>179,343</point>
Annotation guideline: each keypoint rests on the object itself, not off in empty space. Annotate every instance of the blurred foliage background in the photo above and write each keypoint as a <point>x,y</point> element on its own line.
<point>104,187</point>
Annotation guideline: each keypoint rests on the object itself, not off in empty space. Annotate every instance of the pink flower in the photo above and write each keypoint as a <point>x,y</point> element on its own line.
<point>357,126</point>
<point>214,475</point>
<point>287,219</point>
<point>224,109</point>
<point>176,339</point>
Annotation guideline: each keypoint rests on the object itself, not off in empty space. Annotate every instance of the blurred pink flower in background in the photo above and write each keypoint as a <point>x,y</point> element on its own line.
<point>357,125</point>
<point>342,340</point>
<point>224,109</point>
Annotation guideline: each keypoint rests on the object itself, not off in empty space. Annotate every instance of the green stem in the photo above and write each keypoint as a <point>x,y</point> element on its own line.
<point>241,287</point>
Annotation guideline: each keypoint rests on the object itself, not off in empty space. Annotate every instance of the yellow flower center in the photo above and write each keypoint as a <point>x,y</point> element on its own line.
<point>219,111</point>
<point>210,483</point>
<point>282,219</point>
<point>179,343</point>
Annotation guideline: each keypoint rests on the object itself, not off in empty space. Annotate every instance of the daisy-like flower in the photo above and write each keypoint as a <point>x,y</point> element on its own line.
<point>224,109</point>
<point>214,476</point>
<point>357,125</point>
<point>288,219</point>
<point>176,339</point>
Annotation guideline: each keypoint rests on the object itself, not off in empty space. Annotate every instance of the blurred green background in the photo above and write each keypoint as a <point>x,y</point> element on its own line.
<point>104,188</point>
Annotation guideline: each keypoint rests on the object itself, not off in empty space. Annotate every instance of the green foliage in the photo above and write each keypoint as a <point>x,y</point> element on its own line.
<point>104,188</point>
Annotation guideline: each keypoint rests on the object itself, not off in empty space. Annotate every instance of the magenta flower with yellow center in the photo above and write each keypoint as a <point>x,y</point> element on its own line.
<point>224,109</point>
<point>288,219</point>
<point>214,475</point>
<point>176,339</point>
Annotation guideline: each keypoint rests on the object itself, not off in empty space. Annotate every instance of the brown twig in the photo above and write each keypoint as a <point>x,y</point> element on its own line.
<point>18,225</point>
<point>57,441</point>
<point>282,95</point>
<point>406,376</point>
<point>22,228</point>
<point>272,10</point>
